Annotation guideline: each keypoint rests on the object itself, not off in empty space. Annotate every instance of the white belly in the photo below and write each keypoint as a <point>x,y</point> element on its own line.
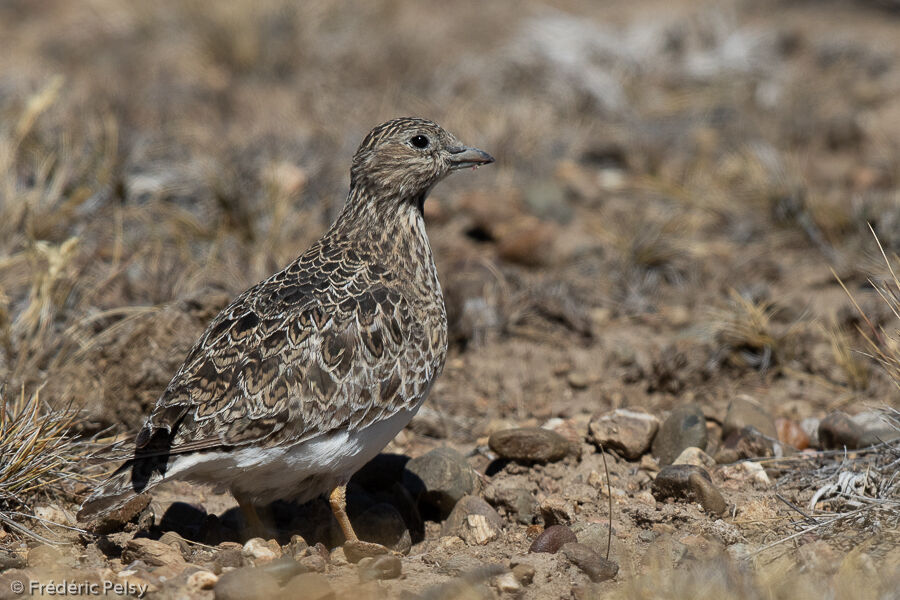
<point>300,472</point>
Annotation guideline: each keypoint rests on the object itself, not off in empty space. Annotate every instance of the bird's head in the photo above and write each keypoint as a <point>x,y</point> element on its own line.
<point>404,158</point>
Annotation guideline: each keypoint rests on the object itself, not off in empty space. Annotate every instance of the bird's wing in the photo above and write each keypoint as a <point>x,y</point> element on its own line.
<point>311,349</point>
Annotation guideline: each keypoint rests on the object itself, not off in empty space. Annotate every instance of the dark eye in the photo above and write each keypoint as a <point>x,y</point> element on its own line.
<point>419,141</point>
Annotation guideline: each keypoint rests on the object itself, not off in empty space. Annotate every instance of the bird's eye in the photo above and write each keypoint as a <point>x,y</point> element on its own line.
<point>419,141</point>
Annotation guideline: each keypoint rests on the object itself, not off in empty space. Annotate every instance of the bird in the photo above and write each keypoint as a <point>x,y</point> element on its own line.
<point>306,376</point>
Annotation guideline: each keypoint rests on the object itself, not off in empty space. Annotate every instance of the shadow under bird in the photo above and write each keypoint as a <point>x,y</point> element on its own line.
<point>307,375</point>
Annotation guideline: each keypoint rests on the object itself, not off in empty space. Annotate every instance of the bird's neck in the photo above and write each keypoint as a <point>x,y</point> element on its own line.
<point>387,227</point>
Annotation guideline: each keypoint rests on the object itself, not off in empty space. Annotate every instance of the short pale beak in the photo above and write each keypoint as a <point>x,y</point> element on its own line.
<point>463,157</point>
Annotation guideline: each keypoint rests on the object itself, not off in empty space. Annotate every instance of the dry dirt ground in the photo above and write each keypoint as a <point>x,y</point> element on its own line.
<point>678,187</point>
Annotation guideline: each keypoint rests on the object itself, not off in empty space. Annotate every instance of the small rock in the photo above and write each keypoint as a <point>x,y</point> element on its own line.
<point>629,432</point>
<point>685,427</point>
<point>383,524</point>
<point>54,514</point>
<point>473,520</point>
<point>282,569</point>
<point>747,472</point>
<point>386,566</point>
<point>810,427</point>
<point>152,552</point>
<point>690,483</point>
<point>249,583</point>
<point>429,423</point>
<point>594,566</point>
<point>695,456</point>
<point>259,551</point>
<point>439,479</point>
<point>556,509</point>
<point>552,539</point>
<point>595,536</point>
<point>44,556</point>
<point>202,580</point>
<point>744,411</point>
<point>746,443</point>
<point>570,430</point>
<point>314,563</point>
<point>517,501</point>
<point>297,546</point>
<point>524,573</point>
<point>117,519</point>
<point>791,434</point>
<point>837,431</point>
<point>529,444</point>
<point>11,560</point>
<point>876,428</point>
<point>228,555</point>
<point>176,541</point>
<point>508,583</point>
<point>312,586</point>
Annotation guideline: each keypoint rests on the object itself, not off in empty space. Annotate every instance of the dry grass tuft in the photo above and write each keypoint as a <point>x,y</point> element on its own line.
<point>747,335</point>
<point>38,454</point>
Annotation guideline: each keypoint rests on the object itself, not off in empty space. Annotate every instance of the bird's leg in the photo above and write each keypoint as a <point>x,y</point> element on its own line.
<point>354,548</point>
<point>255,526</point>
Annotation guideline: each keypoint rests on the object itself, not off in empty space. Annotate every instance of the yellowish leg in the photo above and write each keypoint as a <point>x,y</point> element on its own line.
<point>354,548</point>
<point>338,500</point>
<point>254,523</point>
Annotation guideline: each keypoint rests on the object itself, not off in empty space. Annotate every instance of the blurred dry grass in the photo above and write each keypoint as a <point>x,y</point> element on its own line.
<point>156,158</point>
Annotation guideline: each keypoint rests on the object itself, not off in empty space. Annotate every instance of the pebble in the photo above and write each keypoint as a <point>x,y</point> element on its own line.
<point>516,501</point>
<point>152,552</point>
<point>248,583</point>
<point>284,568</point>
<point>810,427</point>
<point>552,539</point>
<point>557,510</point>
<point>685,427</point>
<point>529,444</point>
<point>747,472</point>
<point>314,563</point>
<point>791,434</point>
<point>473,520</point>
<point>54,514</point>
<point>628,432</point>
<point>837,431</point>
<point>383,524</point>
<point>259,551</point>
<point>228,555</point>
<point>386,566</point>
<point>569,429</point>
<point>691,483</point>
<point>202,580</point>
<point>749,442</point>
<point>176,541</point>
<point>695,456</point>
<point>595,536</point>
<point>744,411</point>
<point>508,583</point>
<point>439,479</point>
<point>524,573</point>
<point>309,586</point>
<point>594,566</point>
<point>297,546</point>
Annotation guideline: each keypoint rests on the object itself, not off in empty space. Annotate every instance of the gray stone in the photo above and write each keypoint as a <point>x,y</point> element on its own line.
<point>837,431</point>
<point>529,444</point>
<point>473,520</point>
<point>385,566</point>
<point>306,586</point>
<point>383,524</point>
<point>552,539</point>
<point>249,583</point>
<point>876,428</point>
<point>691,483</point>
<point>595,536</point>
<point>282,569</point>
<point>594,566</point>
<point>744,411</point>
<point>516,501</point>
<point>152,552</point>
<point>746,443</point>
<point>628,432</point>
<point>685,427</point>
<point>439,479</point>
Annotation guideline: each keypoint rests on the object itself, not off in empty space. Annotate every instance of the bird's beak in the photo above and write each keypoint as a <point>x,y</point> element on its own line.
<point>462,157</point>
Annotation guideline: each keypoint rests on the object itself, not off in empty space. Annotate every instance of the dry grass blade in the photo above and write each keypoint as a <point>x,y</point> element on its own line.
<point>37,453</point>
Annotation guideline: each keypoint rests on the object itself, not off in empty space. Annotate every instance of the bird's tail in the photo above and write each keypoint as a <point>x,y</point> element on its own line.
<point>126,486</point>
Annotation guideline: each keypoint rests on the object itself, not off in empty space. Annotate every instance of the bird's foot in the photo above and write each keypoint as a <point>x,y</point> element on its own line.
<point>356,550</point>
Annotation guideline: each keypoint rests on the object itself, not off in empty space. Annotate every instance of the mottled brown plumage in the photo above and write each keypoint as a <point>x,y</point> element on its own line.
<point>306,375</point>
